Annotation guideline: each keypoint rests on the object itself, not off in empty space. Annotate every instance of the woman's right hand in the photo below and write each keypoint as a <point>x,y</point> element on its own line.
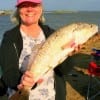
<point>28,80</point>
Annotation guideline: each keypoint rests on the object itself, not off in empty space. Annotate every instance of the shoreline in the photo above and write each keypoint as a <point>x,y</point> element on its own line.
<point>8,12</point>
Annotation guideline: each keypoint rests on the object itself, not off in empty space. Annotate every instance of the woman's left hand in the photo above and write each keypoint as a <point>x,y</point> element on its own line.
<point>76,50</point>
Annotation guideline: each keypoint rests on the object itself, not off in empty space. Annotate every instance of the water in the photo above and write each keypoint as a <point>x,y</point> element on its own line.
<point>5,24</point>
<point>56,20</point>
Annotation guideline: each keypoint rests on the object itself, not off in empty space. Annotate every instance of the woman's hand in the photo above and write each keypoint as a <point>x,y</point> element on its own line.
<point>76,50</point>
<point>72,44</point>
<point>27,80</point>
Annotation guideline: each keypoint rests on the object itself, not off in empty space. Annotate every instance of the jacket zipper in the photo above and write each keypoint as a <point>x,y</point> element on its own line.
<point>15,49</point>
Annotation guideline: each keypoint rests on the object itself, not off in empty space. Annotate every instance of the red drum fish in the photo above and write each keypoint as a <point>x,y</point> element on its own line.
<point>56,49</point>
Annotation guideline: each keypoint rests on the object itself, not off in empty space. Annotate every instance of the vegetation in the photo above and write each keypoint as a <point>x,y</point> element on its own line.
<point>60,11</point>
<point>5,12</point>
<point>64,11</point>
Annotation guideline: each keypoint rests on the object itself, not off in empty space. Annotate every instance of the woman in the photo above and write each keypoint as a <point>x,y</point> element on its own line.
<point>16,48</point>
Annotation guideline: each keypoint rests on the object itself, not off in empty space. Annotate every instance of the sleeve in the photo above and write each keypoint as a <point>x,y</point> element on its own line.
<point>9,63</point>
<point>67,66</point>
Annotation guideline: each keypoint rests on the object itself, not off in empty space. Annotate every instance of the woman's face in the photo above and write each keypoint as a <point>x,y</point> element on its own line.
<point>30,13</point>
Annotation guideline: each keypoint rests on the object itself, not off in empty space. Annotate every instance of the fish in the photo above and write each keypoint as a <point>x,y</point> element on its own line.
<point>55,50</point>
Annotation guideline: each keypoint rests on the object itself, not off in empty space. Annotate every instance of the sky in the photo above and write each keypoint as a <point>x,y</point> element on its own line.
<point>76,5</point>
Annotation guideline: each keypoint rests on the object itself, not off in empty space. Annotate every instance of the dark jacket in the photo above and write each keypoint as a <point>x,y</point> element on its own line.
<point>10,51</point>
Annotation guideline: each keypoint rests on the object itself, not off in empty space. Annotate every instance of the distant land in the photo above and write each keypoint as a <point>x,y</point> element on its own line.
<point>7,12</point>
<point>60,11</point>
